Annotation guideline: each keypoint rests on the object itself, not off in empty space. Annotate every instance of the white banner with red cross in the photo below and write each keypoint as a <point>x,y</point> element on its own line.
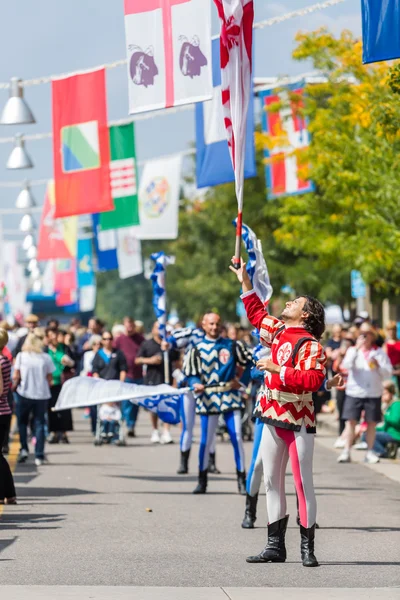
<point>169,53</point>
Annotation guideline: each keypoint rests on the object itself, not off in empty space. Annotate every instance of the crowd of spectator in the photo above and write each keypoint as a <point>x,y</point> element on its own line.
<point>36,361</point>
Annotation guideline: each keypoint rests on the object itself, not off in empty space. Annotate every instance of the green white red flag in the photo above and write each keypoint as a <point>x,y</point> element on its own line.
<point>124,177</point>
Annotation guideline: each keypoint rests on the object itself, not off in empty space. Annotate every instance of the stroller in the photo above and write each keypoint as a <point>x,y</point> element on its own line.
<point>109,426</point>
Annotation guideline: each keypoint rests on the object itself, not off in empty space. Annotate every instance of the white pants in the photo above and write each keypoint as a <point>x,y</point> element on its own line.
<point>277,446</point>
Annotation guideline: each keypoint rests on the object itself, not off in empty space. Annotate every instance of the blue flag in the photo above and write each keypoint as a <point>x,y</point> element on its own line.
<point>213,163</point>
<point>107,260</point>
<point>381,30</point>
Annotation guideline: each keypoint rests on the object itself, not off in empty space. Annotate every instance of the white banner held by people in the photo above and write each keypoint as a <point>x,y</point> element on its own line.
<point>129,252</point>
<point>162,399</point>
<point>169,53</point>
<point>159,199</point>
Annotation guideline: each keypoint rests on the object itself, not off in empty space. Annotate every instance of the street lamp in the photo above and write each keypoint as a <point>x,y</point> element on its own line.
<point>16,110</point>
<point>28,242</point>
<point>19,157</point>
<point>26,225</point>
<point>31,252</point>
<point>25,199</point>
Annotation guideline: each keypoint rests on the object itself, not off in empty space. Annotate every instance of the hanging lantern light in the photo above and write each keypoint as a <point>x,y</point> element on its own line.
<point>37,286</point>
<point>25,199</point>
<point>31,252</point>
<point>28,242</point>
<point>35,273</point>
<point>33,265</point>
<point>19,157</point>
<point>16,111</point>
<point>26,224</point>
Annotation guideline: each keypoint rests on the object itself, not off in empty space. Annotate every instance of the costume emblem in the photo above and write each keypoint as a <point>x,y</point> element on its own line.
<point>224,356</point>
<point>284,353</point>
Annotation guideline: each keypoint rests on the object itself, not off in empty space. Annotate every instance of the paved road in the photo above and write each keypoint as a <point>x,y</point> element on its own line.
<point>82,521</point>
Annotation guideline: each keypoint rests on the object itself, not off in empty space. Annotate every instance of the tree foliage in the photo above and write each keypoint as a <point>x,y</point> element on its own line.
<point>353,218</point>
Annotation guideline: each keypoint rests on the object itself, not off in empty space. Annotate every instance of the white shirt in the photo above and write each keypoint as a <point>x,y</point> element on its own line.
<point>109,413</point>
<point>88,362</point>
<point>365,380</point>
<point>34,368</point>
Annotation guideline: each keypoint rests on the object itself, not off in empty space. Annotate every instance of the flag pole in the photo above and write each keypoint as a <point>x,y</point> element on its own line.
<point>236,260</point>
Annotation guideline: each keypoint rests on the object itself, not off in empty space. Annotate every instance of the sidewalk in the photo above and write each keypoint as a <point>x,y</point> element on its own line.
<point>327,434</point>
<point>165,593</point>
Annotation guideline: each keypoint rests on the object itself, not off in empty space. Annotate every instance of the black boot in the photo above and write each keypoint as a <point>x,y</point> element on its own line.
<point>212,466</point>
<point>202,485</point>
<point>184,466</point>
<point>307,547</point>
<point>250,514</point>
<point>241,480</point>
<point>275,550</point>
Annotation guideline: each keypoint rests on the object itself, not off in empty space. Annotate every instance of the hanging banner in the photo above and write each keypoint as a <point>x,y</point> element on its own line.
<point>380,26</point>
<point>124,179</point>
<point>86,274</point>
<point>213,161</point>
<point>106,259</point>
<point>129,252</point>
<point>169,53</point>
<point>159,199</point>
<point>290,136</point>
<point>81,145</point>
<point>65,282</point>
<point>57,237</point>
<point>15,282</point>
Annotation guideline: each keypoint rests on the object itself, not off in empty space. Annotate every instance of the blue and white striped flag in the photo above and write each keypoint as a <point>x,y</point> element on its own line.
<point>256,265</point>
<point>159,293</point>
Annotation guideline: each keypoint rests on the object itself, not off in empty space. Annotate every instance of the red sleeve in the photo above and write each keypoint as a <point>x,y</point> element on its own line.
<point>259,318</point>
<point>7,353</point>
<point>309,372</point>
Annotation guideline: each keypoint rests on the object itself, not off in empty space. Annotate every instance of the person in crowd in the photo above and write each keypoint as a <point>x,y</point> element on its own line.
<point>7,488</point>
<point>392,348</point>
<point>211,367</point>
<point>151,357</point>
<point>109,363</point>
<point>368,367</point>
<point>32,378</point>
<point>387,432</point>
<point>295,369</point>
<point>95,327</point>
<point>74,326</point>
<point>59,422</point>
<point>129,343</point>
<point>110,416</point>
<point>94,344</point>
<point>347,342</point>
<point>333,345</point>
<point>53,324</point>
<point>31,322</point>
<point>139,325</point>
<point>117,330</point>
<point>233,332</point>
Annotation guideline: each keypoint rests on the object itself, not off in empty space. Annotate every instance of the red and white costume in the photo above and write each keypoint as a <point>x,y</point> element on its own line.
<point>287,409</point>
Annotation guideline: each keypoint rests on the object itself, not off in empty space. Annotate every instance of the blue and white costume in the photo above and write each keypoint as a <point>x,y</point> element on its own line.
<point>213,363</point>
<point>180,339</point>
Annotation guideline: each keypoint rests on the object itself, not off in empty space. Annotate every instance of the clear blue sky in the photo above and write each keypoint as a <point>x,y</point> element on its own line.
<point>48,37</point>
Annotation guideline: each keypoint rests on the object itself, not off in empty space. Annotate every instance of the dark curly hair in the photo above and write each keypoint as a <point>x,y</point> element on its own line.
<point>315,322</point>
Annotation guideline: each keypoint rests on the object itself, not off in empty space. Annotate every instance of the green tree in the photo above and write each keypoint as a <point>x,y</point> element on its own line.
<point>353,218</point>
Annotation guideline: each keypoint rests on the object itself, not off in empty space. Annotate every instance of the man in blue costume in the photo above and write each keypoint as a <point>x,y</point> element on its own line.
<point>211,367</point>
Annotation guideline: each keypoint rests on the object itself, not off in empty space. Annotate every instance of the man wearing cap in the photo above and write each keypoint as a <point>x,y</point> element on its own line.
<point>31,322</point>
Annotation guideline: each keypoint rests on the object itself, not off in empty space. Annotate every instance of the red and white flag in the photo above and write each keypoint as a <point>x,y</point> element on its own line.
<point>237,18</point>
<point>169,53</point>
